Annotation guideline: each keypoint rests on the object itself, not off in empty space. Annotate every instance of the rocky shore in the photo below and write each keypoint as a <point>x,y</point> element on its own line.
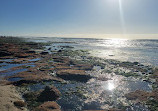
<point>34,79</point>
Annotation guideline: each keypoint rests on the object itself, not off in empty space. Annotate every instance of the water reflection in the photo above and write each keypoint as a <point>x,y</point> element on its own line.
<point>111,86</point>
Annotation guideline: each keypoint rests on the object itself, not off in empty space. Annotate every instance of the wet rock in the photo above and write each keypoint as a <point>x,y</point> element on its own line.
<point>138,94</point>
<point>62,60</point>
<point>5,53</point>
<point>135,63</point>
<point>44,53</point>
<point>19,60</point>
<point>48,106</point>
<point>61,66</point>
<point>72,74</point>
<point>103,78</point>
<point>19,103</point>
<point>23,55</point>
<point>30,51</point>
<point>31,96</point>
<point>33,75</point>
<point>59,50</point>
<point>23,82</point>
<point>49,94</point>
<point>84,66</point>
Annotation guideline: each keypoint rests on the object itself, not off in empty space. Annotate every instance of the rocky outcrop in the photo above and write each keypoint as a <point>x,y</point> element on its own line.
<point>138,94</point>
<point>49,94</point>
<point>44,53</point>
<point>5,53</point>
<point>19,103</point>
<point>48,106</point>
<point>84,66</point>
<point>62,60</point>
<point>72,74</point>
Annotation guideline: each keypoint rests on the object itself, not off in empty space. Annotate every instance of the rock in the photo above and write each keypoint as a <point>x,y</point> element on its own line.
<point>31,96</point>
<point>48,106</point>
<point>84,66</point>
<point>59,50</point>
<point>49,48</point>
<point>61,66</point>
<point>44,53</point>
<point>72,74</point>
<point>103,78</point>
<point>30,51</point>
<point>138,94</point>
<point>22,55</point>
<point>49,94</point>
<point>62,60</point>
<point>135,63</point>
<point>19,103</point>
<point>5,53</point>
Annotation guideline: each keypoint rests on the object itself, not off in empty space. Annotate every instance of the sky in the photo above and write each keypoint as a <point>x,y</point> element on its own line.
<point>80,18</point>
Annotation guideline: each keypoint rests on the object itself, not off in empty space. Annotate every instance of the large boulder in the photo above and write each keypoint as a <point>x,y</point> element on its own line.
<point>49,94</point>
<point>48,106</point>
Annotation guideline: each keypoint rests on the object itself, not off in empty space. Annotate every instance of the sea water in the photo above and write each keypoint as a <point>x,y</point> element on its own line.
<point>143,51</point>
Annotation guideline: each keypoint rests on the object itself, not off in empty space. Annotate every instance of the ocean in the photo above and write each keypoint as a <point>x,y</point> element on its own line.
<point>143,51</point>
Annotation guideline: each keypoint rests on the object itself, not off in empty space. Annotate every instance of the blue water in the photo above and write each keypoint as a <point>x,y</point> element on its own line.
<point>143,51</point>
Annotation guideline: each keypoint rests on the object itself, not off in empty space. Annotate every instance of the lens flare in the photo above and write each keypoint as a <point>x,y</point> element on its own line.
<point>122,17</point>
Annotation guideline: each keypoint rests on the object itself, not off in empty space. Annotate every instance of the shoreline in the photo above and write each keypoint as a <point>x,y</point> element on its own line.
<point>63,68</point>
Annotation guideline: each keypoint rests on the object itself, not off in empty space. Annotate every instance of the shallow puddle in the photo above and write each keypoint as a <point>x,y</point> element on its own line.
<point>15,79</point>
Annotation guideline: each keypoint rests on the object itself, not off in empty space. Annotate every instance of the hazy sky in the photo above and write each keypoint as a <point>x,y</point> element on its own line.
<point>80,18</point>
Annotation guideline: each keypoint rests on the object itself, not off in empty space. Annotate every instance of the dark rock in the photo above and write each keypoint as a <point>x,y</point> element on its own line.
<point>49,48</point>
<point>5,53</point>
<point>19,103</point>
<point>31,51</point>
<point>135,63</point>
<point>31,96</point>
<point>44,53</point>
<point>22,55</point>
<point>49,94</point>
<point>59,50</point>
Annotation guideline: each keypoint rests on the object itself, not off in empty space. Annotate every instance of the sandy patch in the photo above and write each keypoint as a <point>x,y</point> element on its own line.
<point>8,95</point>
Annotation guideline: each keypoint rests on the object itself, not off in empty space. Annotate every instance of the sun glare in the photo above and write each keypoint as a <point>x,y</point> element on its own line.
<point>111,86</point>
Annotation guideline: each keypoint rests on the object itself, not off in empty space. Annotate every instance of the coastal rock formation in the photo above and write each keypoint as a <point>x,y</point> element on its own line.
<point>138,94</point>
<point>48,106</point>
<point>72,74</point>
<point>84,66</point>
<point>65,60</point>
<point>19,103</point>
<point>49,94</point>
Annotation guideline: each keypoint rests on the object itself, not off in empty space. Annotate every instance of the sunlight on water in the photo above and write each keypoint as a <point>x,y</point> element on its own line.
<point>111,86</point>
<point>117,42</point>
